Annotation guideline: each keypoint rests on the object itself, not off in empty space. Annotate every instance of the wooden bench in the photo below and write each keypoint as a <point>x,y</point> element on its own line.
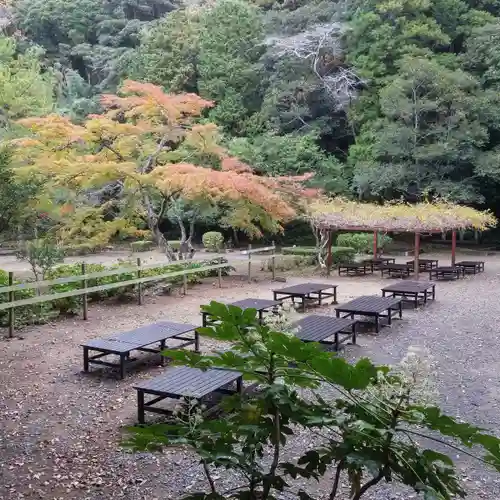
<point>396,270</point>
<point>424,264</point>
<point>307,292</point>
<point>416,291</point>
<point>355,269</point>
<point>261,305</point>
<point>471,266</point>
<point>447,273</point>
<point>184,382</point>
<point>140,339</point>
<point>316,328</point>
<point>379,261</point>
<point>372,306</point>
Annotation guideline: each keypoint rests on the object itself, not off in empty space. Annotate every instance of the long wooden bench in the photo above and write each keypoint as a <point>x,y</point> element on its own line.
<point>140,339</point>
<point>417,292</point>
<point>316,328</point>
<point>307,292</point>
<point>184,382</point>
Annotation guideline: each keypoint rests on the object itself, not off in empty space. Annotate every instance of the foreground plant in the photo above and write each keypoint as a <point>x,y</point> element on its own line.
<point>367,434</point>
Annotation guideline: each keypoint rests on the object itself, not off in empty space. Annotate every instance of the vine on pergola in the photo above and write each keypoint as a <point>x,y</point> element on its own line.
<point>425,217</point>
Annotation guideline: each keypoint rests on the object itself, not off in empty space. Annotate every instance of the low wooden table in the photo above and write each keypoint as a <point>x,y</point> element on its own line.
<point>471,266</point>
<point>316,328</point>
<point>307,292</point>
<point>447,273</point>
<point>414,291</point>
<point>372,306</point>
<point>140,339</point>
<point>380,261</point>
<point>262,306</point>
<point>396,270</point>
<point>184,382</point>
<point>355,269</point>
<point>424,264</point>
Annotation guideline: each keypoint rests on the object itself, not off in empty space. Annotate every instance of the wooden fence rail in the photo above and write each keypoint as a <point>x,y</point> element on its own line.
<point>84,290</point>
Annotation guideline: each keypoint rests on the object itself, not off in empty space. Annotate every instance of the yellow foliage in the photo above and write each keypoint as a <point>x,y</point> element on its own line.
<point>422,217</point>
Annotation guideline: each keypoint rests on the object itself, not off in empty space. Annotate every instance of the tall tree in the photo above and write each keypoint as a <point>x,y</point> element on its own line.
<point>126,169</point>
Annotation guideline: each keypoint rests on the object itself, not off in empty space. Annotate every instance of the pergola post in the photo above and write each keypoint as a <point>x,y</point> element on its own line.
<point>329,256</point>
<point>375,244</point>
<point>416,262</point>
<point>453,247</point>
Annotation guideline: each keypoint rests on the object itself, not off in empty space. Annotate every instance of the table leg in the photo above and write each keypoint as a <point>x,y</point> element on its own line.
<point>196,341</point>
<point>303,303</point>
<point>337,313</point>
<point>416,300</point>
<point>204,319</point>
<point>319,297</point>
<point>354,333</point>
<point>85,359</point>
<point>389,316</point>
<point>122,365</point>
<point>434,292</point>
<point>377,326</point>
<point>162,348</point>
<point>401,310</point>
<point>261,316</point>
<point>140,407</point>
<point>337,341</point>
<point>335,295</point>
<point>239,385</point>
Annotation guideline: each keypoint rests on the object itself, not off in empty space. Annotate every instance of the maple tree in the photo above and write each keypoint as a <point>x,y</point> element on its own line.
<point>124,169</point>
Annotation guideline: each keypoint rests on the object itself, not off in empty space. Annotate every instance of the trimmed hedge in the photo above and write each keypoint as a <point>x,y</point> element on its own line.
<point>286,263</point>
<point>142,246</point>
<point>340,255</point>
<point>41,313</point>
<point>213,241</point>
<point>362,242</point>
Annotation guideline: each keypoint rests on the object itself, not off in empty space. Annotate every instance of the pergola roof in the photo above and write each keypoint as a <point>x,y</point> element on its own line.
<point>341,214</point>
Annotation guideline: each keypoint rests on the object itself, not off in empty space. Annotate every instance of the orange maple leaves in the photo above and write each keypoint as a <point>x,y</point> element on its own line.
<point>134,141</point>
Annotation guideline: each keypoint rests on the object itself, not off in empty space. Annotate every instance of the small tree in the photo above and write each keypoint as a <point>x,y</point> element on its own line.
<point>368,429</point>
<point>42,255</point>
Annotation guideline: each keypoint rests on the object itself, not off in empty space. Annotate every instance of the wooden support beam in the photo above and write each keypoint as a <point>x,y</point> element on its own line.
<point>416,263</point>
<point>375,244</point>
<point>453,247</point>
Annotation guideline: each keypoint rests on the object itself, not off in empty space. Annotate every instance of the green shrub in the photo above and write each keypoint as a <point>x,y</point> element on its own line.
<point>42,255</point>
<point>362,242</point>
<point>307,251</point>
<point>340,255</point>
<point>287,262</point>
<point>81,249</point>
<point>213,241</point>
<point>175,245</point>
<point>141,246</point>
<point>343,255</point>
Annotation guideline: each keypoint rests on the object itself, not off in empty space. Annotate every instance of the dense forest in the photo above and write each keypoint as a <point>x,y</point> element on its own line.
<point>380,100</point>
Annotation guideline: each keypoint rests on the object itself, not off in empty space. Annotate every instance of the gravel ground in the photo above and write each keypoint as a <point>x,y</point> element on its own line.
<point>60,429</point>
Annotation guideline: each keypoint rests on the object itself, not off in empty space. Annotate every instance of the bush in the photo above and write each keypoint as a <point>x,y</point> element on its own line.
<point>41,255</point>
<point>175,245</point>
<point>287,263</point>
<point>81,249</point>
<point>340,255</point>
<point>213,241</point>
<point>141,246</point>
<point>362,242</point>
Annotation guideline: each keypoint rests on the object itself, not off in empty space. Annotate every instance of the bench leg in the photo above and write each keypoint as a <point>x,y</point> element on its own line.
<point>354,333</point>
<point>416,299</point>
<point>337,345</point>
<point>239,385</point>
<point>196,341</point>
<point>320,296</point>
<point>85,359</point>
<point>337,313</point>
<point>335,295</point>
<point>140,407</point>
<point>389,316</point>
<point>377,325</point>
<point>122,365</point>
<point>401,310</point>
<point>162,348</point>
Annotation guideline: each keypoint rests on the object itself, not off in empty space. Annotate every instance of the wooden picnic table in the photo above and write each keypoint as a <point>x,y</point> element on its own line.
<point>424,264</point>
<point>379,261</point>
<point>316,328</point>
<point>416,291</point>
<point>307,292</point>
<point>184,382</point>
<point>355,268</point>
<point>372,306</point>
<point>471,266</point>
<point>447,272</point>
<point>396,270</point>
<point>262,306</point>
<point>140,339</point>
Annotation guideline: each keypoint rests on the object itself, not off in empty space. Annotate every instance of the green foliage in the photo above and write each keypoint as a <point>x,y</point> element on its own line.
<point>142,246</point>
<point>213,241</point>
<point>42,255</point>
<point>81,249</point>
<point>342,254</point>
<point>363,242</point>
<point>25,88</point>
<point>15,194</point>
<point>288,262</point>
<point>368,427</point>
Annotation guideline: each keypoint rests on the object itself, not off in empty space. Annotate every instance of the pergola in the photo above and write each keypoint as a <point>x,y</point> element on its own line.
<point>421,218</point>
